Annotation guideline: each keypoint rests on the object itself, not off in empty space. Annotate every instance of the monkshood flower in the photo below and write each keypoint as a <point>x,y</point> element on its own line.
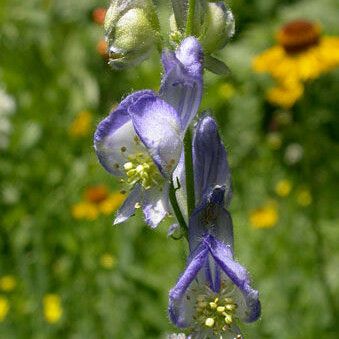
<point>141,140</point>
<point>212,176</point>
<point>214,291</point>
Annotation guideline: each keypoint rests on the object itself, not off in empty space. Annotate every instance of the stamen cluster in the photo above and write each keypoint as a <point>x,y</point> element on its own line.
<point>140,168</point>
<point>215,312</point>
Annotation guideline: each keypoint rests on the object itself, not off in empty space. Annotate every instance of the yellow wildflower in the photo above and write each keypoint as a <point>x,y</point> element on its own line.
<point>283,188</point>
<point>52,308</point>
<point>108,261</point>
<point>301,54</point>
<point>274,140</point>
<point>4,308</point>
<point>81,125</point>
<point>226,90</point>
<point>84,210</point>
<point>286,94</point>
<point>112,203</point>
<point>265,216</point>
<point>7,283</point>
<point>304,197</point>
<point>97,200</point>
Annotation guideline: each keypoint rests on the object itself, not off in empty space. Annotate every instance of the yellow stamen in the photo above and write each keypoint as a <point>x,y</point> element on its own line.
<point>209,322</point>
<point>221,309</point>
<point>228,319</point>
<point>213,305</point>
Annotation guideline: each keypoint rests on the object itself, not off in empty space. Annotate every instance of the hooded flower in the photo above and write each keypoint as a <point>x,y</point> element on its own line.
<point>212,180</point>
<point>141,140</point>
<point>214,291</point>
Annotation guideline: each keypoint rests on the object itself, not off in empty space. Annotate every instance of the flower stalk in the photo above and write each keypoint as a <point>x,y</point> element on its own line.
<point>190,17</point>
<point>189,172</point>
<point>176,209</point>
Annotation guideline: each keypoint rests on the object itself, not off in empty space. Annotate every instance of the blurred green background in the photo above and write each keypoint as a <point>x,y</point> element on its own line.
<point>66,272</point>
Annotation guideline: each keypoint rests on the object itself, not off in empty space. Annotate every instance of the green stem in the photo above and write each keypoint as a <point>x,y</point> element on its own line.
<point>176,209</point>
<point>189,172</point>
<point>321,261</point>
<point>190,17</point>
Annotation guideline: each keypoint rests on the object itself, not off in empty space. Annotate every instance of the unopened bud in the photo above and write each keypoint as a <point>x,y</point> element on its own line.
<point>131,30</point>
<point>218,27</point>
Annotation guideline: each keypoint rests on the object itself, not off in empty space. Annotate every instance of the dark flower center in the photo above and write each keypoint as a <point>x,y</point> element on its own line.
<point>298,36</point>
<point>96,194</point>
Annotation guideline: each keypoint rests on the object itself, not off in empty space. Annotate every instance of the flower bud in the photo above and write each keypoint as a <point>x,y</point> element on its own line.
<point>131,30</point>
<point>213,25</point>
<point>218,27</point>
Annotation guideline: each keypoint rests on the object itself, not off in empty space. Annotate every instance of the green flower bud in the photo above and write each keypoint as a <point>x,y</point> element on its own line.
<point>131,30</point>
<point>213,24</point>
<point>218,27</point>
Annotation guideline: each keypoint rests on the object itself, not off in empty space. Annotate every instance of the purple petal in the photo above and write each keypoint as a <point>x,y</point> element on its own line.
<point>181,308</point>
<point>210,217</point>
<point>128,207</point>
<point>210,159</point>
<point>155,205</point>
<point>169,60</point>
<point>190,54</point>
<point>249,306</point>
<point>183,83</point>
<point>157,125</point>
<point>114,132</point>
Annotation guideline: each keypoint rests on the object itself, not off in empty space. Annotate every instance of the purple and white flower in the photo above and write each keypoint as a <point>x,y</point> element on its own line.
<point>141,140</point>
<point>214,291</point>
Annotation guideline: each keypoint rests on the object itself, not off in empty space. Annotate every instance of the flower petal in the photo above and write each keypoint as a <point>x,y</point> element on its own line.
<point>180,308</point>
<point>128,207</point>
<point>210,217</point>
<point>210,159</point>
<point>248,299</point>
<point>157,125</point>
<point>113,133</point>
<point>155,205</point>
<point>182,84</point>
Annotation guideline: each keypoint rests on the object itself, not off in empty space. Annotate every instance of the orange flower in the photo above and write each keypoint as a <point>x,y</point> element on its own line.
<point>102,48</point>
<point>97,200</point>
<point>98,15</point>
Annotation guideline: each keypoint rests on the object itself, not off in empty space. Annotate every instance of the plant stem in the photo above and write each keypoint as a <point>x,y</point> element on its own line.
<point>321,258</point>
<point>190,17</point>
<point>176,209</point>
<point>189,172</point>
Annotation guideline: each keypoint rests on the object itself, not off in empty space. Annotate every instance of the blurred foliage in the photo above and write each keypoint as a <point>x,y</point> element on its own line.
<point>63,275</point>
